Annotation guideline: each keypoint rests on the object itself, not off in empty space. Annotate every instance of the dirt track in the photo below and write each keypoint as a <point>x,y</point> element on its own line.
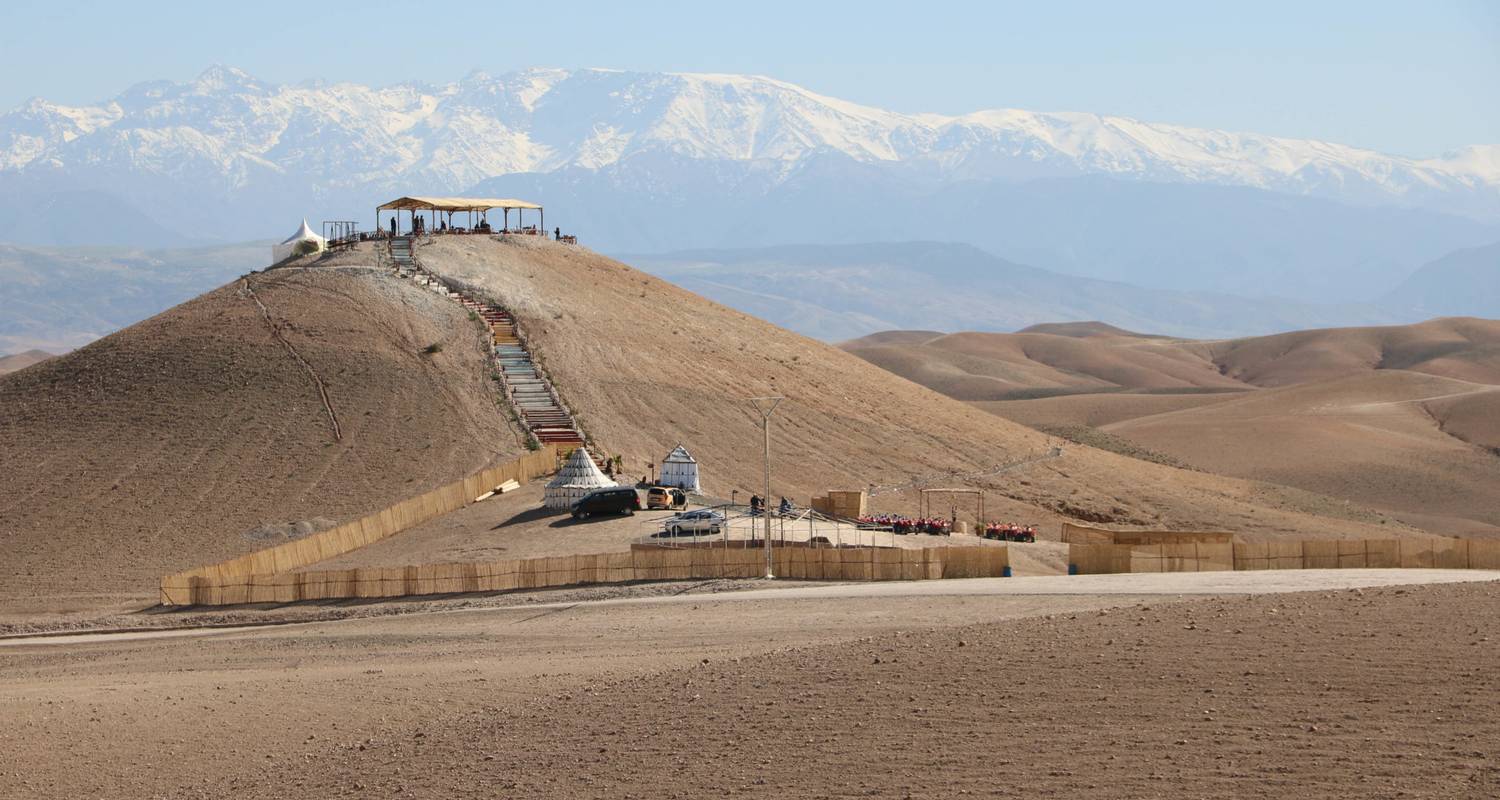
<point>1344,693</point>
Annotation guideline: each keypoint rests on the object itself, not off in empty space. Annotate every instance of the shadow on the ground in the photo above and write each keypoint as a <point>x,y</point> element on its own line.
<point>527,516</point>
<point>568,521</point>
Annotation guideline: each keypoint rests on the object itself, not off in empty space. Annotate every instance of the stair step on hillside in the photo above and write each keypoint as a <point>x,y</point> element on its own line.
<point>530,393</point>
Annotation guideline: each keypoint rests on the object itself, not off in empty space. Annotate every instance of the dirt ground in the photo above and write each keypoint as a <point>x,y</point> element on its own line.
<point>1332,693</point>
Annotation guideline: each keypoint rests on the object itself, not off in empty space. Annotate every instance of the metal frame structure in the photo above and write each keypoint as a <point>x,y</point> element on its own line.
<point>340,232</point>
<point>452,205</point>
<point>924,505</point>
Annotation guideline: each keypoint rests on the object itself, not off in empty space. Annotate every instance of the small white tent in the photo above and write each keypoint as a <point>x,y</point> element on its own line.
<point>680,469</point>
<point>301,243</point>
<point>579,476</point>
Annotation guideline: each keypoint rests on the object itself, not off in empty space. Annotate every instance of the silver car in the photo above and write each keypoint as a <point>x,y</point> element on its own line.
<point>695,523</point>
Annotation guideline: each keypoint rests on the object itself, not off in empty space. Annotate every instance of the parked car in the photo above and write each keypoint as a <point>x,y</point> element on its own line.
<point>695,522</point>
<point>666,497</point>
<point>619,500</point>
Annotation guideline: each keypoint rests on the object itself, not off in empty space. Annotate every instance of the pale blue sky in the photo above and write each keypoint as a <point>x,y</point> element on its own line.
<point>1415,78</point>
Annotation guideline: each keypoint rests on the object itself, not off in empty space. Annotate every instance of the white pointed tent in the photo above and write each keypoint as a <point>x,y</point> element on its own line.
<point>680,469</point>
<point>301,243</point>
<point>579,476</point>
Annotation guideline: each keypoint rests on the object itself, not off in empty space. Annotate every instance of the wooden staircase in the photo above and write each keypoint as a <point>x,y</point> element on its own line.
<point>527,387</point>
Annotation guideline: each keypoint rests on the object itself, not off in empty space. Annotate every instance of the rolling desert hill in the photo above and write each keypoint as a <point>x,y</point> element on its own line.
<point>1086,330</point>
<point>1372,438</point>
<point>1402,418</point>
<point>1464,348</point>
<point>1001,366</point>
<point>196,435</point>
<point>1092,357</point>
<point>19,361</point>
<point>648,365</point>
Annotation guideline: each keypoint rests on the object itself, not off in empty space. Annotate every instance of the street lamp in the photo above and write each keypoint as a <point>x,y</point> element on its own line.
<point>767,406</point>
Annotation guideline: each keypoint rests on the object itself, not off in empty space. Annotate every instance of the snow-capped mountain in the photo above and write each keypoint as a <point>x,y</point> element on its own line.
<point>230,131</point>
<point>656,161</point>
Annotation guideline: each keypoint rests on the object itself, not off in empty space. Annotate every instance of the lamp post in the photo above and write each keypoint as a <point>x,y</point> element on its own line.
<point>767,406</point>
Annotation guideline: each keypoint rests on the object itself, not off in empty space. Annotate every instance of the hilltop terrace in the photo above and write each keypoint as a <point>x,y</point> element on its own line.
<point>435,215</point>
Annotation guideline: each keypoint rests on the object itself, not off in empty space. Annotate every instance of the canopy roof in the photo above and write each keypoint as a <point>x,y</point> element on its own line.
<point>580,471</point>
<point>454,203</point>
<point>679,455</point>
<point>304,233</point>
<point>579,476</point>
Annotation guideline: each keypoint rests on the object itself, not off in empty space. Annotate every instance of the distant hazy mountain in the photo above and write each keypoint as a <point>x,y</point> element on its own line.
<point>1463,283</point>
<point>16,361</point>
<point>60,298</point>
<point>837,292</point>
<point>653,161</point>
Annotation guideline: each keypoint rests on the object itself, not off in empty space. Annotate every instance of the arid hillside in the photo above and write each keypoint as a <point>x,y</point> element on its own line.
<point>1005,366</point>
<point>1372,438</point>
<point>648,365</point>
<point>1402,418</point>
<point>199,434</point>
<point>1091,357</point>
<point>19,361</point>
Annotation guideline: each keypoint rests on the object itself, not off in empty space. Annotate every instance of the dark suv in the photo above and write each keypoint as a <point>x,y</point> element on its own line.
<point>620,500</point>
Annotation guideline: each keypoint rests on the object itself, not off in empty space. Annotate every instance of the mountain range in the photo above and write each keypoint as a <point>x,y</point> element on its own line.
<point>644,162</point>
<point>836,292</point>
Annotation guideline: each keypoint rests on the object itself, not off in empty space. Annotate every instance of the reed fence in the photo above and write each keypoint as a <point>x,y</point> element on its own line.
<point>291,556</point>
<point>639,564</point>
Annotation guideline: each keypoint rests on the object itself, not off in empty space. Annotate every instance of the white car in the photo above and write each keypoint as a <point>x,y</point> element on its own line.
<point>694,523</point>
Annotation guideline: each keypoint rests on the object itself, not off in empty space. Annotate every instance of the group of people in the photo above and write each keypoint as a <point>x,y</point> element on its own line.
<point>1003,531</point>
<point>419,227</point>
<point>1009,532</point>
<point>906,525</point>
<point>758,505</point>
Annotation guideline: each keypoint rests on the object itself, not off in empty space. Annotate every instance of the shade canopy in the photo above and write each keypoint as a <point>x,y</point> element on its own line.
<point>301,243</point>
<point>578,476</point>
<point>454,204</point>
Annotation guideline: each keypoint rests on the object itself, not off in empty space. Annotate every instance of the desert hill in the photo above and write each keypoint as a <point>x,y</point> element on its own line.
<point>1092,357</point>
<point>647,365</point>
<point>1403,418</point>
<point>1001,366</point>
<point>195,435</point>
<point>18,361</point>
<point>1374,438</point>
<point>1465,348</point>
<point>1085,330</point>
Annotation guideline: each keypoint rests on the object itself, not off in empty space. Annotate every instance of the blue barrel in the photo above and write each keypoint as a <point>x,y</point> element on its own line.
<point>1072,569</point>
<point>1005,573</point>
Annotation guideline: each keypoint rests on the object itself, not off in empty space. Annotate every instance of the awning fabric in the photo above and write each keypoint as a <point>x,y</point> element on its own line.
<point>454,204</point>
